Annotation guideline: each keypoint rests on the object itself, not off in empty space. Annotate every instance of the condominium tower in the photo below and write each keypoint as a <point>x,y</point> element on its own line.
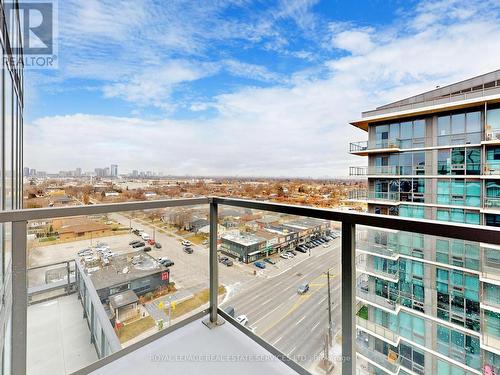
<point>426,304</point>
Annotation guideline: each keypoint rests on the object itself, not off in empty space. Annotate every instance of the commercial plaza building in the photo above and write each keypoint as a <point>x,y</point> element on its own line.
<point>11,118</point>
<point>431,304</point>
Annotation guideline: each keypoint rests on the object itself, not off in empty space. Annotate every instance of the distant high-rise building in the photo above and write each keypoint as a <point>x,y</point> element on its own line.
<point>99,172</point>
<point>106,172</point>
<point>78,172</point>
<point>26,171</point>
<point>135,173</point>
<point>32,172</point>
<point>114,170</point>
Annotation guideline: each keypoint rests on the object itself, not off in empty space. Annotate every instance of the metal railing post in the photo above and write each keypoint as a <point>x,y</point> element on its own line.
<point>214,319</point>
<point>348,298</point>
<point>19,297</point>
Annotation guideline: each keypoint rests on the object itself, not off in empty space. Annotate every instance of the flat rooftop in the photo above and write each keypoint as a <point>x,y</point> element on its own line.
<point>195,349</point>
<point>245,239</point>
<point>122,268</point>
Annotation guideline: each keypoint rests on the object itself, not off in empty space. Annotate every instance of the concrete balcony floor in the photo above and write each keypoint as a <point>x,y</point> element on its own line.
<point>195,349</point>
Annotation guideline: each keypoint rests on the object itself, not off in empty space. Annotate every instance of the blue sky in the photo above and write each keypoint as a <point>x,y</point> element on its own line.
<point>240,87</point>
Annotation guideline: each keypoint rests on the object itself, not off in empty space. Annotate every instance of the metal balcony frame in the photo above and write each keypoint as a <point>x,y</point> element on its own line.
<point>349,220</point>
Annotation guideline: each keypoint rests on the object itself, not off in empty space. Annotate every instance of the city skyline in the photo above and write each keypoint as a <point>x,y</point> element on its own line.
<point>189,101</point>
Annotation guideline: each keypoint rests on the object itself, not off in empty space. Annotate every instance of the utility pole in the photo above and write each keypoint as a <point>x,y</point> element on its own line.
<point>330,330</point>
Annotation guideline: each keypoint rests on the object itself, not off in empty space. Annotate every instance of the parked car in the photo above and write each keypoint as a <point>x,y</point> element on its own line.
<point>186,243</point>
<point>145,236</point>
<point>136,232</point>
<point>292,252</point>
<point>284,256</point>
<point>260,265</point>
<point>290,255</point>
<point>138,244</point>
<point>151,242</point>
<point>242,319</point>
<point>188,250</point>
<point>228,262</point>
<point>269,260</point>
<point>158,245</point>
<point>301,248</point>
<point>147,248</point>
<point>303,288</point>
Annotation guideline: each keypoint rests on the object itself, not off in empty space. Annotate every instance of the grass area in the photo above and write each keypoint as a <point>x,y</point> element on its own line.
<point>197,239</point>
<point>133,329</point>
<point>363,312</point>
<point>199,299</point>
<point>181,232</point>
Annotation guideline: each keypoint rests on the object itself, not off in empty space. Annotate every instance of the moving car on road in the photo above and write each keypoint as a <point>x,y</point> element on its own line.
<point>188,250</point>
<point>260,265</point>
<point>151,242</point>
<point>138,244</point>
<point>303,288</point>
<point>147,248</point>
<point>158,245</point>
<point>132,243</point>
<point>145,236</point>
<point>186,243</point>
<point>166,262</point>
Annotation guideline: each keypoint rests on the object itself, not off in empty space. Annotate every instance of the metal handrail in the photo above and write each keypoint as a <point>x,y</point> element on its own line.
<point>349,220</point>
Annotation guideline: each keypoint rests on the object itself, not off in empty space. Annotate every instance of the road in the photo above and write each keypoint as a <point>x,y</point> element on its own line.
<point>293,323</point>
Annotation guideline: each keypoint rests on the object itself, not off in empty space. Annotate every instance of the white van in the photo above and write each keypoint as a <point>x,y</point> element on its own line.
<point>145,236</point>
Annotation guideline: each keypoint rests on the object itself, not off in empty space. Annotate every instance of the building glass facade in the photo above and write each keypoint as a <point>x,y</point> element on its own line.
<point>440,296</point>
<point>11,160</point>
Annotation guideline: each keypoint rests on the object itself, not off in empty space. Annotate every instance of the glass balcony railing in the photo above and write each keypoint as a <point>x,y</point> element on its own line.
<point>391,303</point>
<point>392,275</point>
<point>492,167</point>
<point>382,331</point>
<point>493,135</point>
<point>358,171</point>
<point>492,202</point>
<point>362,194</point>
<point>362,146</point>
<point>384,360</point>
<point>140,276</point>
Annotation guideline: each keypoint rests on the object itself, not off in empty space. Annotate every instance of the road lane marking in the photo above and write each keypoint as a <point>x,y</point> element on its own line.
<point>274,343</point>
<point>300,320</point>
<point>314,327</point>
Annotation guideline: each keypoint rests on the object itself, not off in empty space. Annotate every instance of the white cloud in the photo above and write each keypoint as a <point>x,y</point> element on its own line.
<point>354,41</point>
<point>153,86</point>
<point>300,129</point>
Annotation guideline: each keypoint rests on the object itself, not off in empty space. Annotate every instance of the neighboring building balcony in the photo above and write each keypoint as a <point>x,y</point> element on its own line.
<point>363,195</point>
<point>358,171</point>
<point>364,148</point>
<point>371,327</point>
<point>492,167</point>
<point>491,341</point>
<point>385,361</point>
<point>386,274</point>
<point>492,202</point>
<point>369,246</point>
<point>184,344</point>
<point>492,136</point>
<point>369,296</point>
